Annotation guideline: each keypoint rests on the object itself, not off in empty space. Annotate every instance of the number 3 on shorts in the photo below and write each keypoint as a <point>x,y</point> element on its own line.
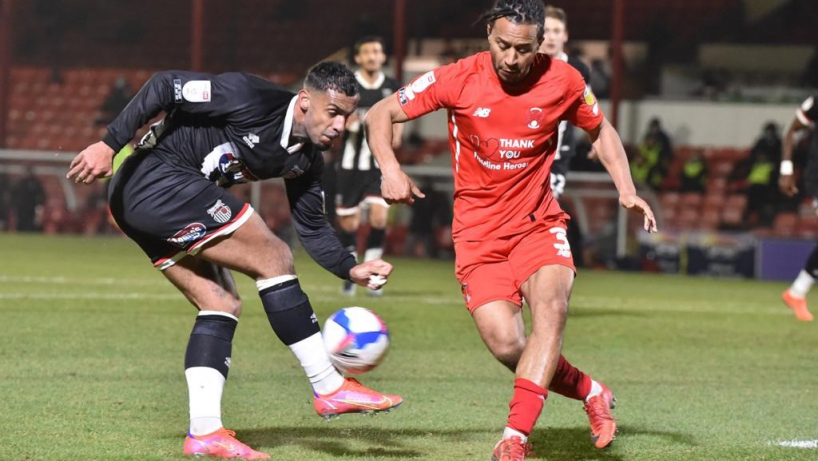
<point>562,245</point>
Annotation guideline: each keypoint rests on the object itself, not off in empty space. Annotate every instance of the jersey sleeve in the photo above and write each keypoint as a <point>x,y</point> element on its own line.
<point>584,111</point>
<point>308,210</point>
<point>808,112</point>
<point>230,96</point>
<point>436,89</point>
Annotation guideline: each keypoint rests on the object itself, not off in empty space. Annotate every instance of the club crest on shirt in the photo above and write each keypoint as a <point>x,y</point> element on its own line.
<point>535,116</point>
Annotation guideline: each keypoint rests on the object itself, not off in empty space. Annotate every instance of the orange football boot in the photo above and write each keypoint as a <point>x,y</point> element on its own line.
<point>798,306</point>
<point>354,397</point>
<point>603,425</point>
<point>220,444</point>
<point>511,449</point>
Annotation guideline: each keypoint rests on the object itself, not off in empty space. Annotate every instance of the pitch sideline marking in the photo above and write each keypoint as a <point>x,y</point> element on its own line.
<point>809,444</point>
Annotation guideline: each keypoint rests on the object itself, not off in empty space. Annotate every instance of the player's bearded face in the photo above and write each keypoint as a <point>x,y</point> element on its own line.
<point>513,49</point>
<point>326,116</point>
<point>371,56</point>
<point>555,37</point>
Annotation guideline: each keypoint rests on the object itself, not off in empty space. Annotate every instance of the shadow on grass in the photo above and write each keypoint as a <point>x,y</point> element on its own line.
<point>574,444</point>
<point>385,443</point>
<point>563,444</point>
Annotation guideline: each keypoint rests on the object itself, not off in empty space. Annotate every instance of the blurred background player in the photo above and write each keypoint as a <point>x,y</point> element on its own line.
<point>554,40</point>
<point>805,118</point>
<point>358,177</point>
<point>509,231</point>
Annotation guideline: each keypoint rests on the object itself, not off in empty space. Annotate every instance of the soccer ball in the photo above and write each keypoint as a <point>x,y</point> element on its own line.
<point>356,339</point>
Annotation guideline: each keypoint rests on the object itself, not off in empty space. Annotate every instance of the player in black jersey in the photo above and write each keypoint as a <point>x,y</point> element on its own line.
<point>555,38</point>
<point>805,118</point>
<point>358,175</point>
<point>170,198</point>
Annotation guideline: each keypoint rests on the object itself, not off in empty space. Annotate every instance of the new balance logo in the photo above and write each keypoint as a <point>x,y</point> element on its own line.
<point>481,112</point>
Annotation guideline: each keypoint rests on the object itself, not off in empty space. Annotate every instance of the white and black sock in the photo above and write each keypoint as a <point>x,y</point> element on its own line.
<point>207,362</point>
<point>294,322</point>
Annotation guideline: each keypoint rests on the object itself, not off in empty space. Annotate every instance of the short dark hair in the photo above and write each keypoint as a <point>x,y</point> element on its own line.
<point>330,75</point>
<point>519,12</point>
<point>364,40</point>
<point>557,13</point>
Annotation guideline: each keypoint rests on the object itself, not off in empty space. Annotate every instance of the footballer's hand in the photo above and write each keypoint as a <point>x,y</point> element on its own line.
<point>787,185</point>
<point>398,187</point>
<point>371,274</point>
<point>96,161</point>
<point>593,154</point>
<point>632,202</point>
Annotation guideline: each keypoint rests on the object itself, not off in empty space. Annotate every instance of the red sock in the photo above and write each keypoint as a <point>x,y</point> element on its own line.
<point>526,405</point>
<point>570,382</point>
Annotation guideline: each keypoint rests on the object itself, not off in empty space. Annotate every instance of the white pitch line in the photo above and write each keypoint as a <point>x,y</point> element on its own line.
<point>76,281</point>
<point>178,297</point>
<point>324,293</point>
<point>810,444</point>
<point>98,296</point>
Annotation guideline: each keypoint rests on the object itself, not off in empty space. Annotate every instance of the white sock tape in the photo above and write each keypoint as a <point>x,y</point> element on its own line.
<point>267,283</point>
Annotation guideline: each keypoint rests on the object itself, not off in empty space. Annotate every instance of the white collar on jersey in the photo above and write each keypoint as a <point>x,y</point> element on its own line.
<point>562,56</point>
<point>367,86</point>
<point>288,128</point>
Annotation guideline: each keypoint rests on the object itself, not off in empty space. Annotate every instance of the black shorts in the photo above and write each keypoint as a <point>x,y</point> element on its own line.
<point>170,212</point>
<point>355,187</point>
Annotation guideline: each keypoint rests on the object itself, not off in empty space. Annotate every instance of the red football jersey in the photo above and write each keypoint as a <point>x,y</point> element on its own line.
<point>502,139</point>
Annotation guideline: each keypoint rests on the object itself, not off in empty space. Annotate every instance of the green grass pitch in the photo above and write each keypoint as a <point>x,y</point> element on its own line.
<point>93,340</point>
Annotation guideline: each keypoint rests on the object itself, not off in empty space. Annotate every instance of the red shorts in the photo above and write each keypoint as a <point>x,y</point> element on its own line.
<point>493,270</point>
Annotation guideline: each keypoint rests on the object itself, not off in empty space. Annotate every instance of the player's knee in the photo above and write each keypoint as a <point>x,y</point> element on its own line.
<point>378,222</point>
<point>278,262</point>
<point>507,349</point>
<point>378,216</point>
<point>551,311</point>
<point>348,223</point>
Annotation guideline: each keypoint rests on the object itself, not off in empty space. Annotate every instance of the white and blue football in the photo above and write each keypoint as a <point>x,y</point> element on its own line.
<point>356,339</point>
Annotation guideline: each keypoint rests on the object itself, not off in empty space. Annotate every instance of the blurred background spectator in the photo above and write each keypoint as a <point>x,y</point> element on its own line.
<point>27,200</point>
<point>694,174</point>
<point>117,99</point>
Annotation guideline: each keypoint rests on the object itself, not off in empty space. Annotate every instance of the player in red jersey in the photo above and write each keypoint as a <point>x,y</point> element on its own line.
<point>504,107</point>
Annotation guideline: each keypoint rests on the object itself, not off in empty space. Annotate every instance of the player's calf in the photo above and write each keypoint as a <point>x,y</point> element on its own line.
<point>296,325</point>
<point>207,363</point>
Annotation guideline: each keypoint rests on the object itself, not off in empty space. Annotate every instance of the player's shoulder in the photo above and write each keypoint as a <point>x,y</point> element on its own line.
<point>558,70</point>
<point>473,64</point>
<point>258,91</point>
<point>580,66</point>
<point>389,82</point>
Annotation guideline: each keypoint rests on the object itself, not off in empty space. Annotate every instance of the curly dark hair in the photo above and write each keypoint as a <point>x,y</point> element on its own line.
<point>330,75</point>
<point>519,12</point>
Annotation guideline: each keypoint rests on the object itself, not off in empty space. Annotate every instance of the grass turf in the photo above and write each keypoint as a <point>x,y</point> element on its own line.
<point>93,339</point>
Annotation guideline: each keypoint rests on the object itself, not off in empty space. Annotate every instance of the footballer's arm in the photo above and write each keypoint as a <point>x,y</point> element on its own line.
<point>786,181</point>
<point>611,153</point>
<point>396,186</point>
<point>307,208</point>
<point>213,96</point>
